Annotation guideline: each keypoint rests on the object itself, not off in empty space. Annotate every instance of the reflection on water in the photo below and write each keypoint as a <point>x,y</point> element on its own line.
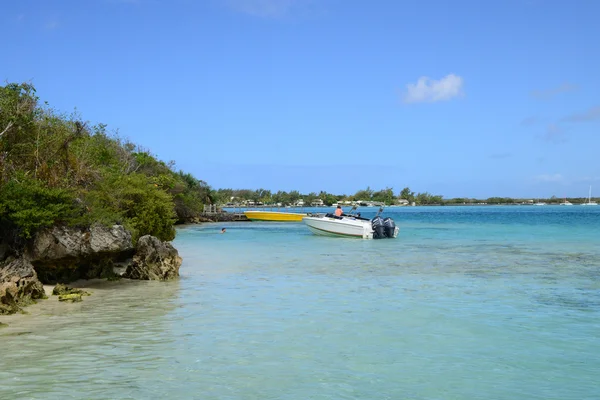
<point>478,306</point>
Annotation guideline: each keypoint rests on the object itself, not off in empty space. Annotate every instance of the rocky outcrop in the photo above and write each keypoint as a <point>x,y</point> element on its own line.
<point>63,242</point>
<point>19,285</point>
<point>154,260</point>
<point>64,254</point>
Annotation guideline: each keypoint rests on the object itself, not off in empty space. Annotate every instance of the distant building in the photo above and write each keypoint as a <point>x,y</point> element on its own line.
<point>317,203</point>
<point>402,202</point>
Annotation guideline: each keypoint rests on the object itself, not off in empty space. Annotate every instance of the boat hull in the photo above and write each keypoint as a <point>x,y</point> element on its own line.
<point>274,216</point>
<point>327,226</point>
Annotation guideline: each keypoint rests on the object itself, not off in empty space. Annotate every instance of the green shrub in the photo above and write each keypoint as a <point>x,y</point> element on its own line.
<point>139,204</point>
<point>27,205</point>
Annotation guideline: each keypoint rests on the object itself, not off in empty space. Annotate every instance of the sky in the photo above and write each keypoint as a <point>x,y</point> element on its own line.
<point>464,98</point>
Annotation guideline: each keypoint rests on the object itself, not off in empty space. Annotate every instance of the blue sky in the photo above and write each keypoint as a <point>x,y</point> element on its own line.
<point>459,98</point>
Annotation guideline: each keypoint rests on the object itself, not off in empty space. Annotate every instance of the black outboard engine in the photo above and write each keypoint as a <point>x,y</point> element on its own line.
<point>389,227</point>
<point>378,228</point>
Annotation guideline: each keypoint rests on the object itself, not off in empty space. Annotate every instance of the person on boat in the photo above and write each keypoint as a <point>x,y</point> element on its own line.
<point>338,211</point>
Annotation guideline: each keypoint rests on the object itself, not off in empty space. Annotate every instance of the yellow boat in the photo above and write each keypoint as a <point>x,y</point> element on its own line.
<point>274,216</point>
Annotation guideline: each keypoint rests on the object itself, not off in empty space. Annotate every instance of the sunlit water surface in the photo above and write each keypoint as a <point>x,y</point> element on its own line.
<point>467,303</point>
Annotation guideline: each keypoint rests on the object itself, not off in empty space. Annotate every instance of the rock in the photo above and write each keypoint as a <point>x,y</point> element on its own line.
<point>19,285</point>
<point>154,260</point>
<point>61,242</point>
<point>63,254</point>
<point>109,240</point>
<point>120,269</point>
<point>3,325</point>
<point>73,298</point>
<point>63,290</point>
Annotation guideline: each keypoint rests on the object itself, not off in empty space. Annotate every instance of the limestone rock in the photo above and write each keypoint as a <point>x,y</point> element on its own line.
<point>19,285</point>
<point>154,260</point>
<point>61,242</point>
<point>64,254</point>
<point>109,240</point>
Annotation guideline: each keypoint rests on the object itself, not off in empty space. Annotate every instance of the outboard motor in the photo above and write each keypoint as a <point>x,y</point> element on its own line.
<point>378,228</point>
<point>389,227</point>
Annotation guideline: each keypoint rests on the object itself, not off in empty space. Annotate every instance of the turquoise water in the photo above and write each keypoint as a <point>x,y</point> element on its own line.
<point>467,303</point>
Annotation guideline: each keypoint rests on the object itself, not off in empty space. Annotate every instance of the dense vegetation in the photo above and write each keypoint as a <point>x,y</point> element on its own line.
<point>55,169</point>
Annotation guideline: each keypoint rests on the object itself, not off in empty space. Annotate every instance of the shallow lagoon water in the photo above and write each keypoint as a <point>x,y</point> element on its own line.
<point>467,303</point>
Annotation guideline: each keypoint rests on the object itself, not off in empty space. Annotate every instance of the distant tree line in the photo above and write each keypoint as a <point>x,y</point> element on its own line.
<point>385,196</point>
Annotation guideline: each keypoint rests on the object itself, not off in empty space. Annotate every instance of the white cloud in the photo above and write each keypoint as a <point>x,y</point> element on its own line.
<point>549,178</point>
<point>428,90</point>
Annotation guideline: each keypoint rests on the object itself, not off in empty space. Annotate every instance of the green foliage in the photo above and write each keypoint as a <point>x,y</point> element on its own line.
<point>407,194</point>
<point>500,200</point>
<point>18,104</point>
<point>385,196</point>
<point>294,196</point>
<point>263,195</point>
<point>310,198</point>
<point>26,206</point>
<point>54,169</point>
<point>366,194</point>
<point>328,198</point>
<point>136,202</point>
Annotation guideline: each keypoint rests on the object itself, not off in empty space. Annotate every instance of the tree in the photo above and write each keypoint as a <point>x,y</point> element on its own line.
<point>328,198</point>
<point>385,196</point>
<point>365,194</point>
<point>294,196</point>
<point>407,194</point>
<point>310,198</point>
<point>263,195</point>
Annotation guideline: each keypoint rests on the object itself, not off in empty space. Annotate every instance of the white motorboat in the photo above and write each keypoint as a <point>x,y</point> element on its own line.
<point>351,225</point>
